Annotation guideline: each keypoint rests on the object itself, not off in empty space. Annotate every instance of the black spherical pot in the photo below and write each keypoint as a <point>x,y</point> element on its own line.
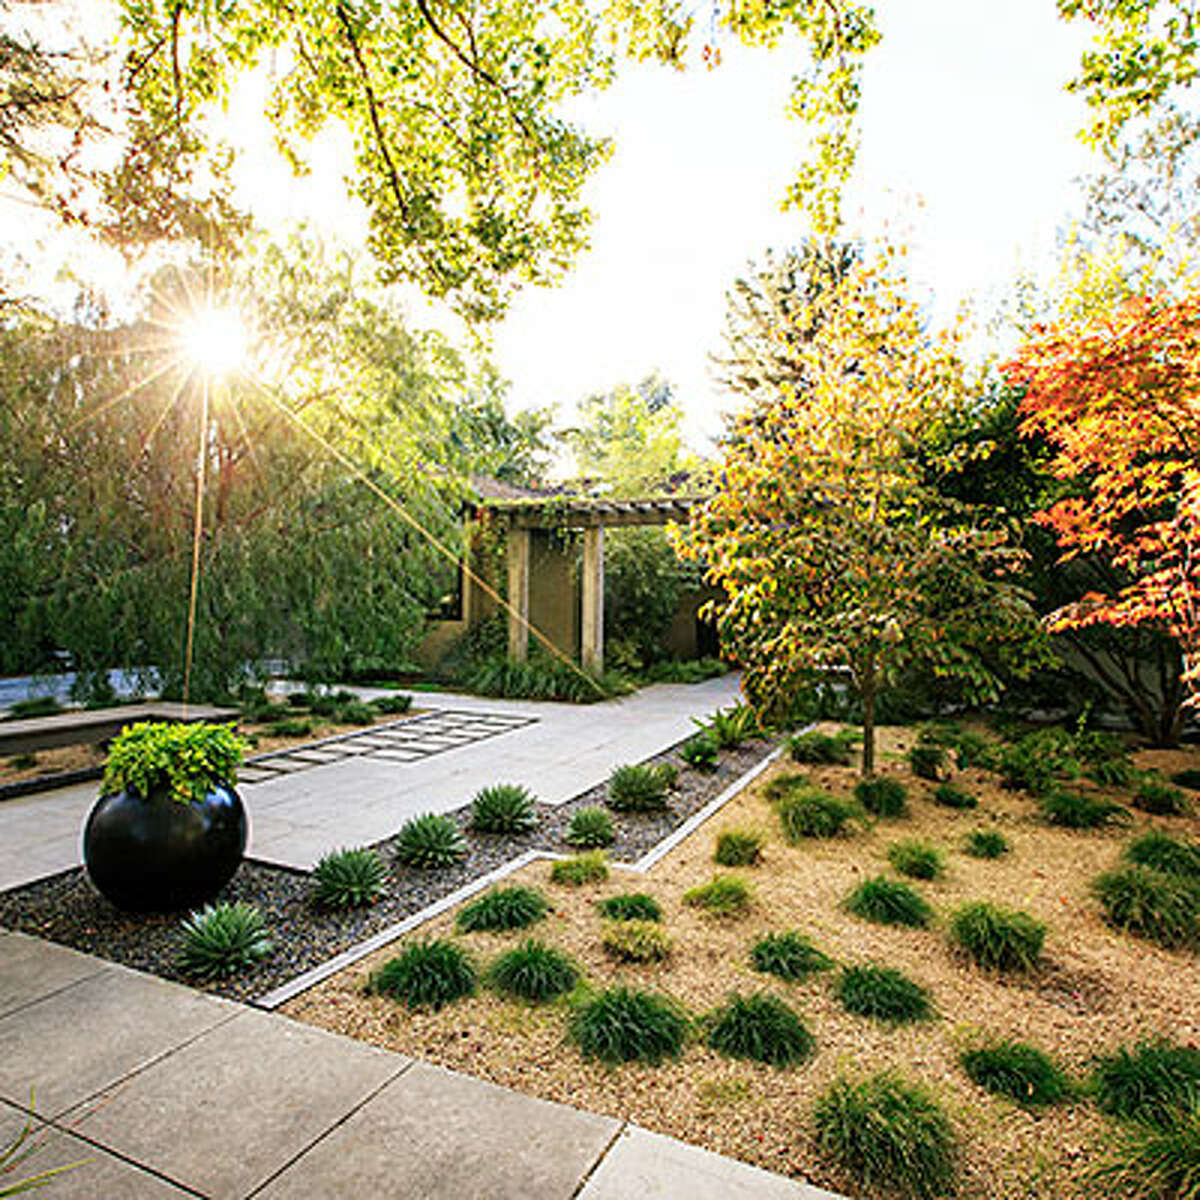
<point>156,854</point>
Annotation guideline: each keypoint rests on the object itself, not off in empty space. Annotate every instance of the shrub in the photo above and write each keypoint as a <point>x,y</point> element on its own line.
<point>355,713</point>
<point>701,752</point>
<point>973,750</point>
<point>1111,772</point>
<point>591,827</point>
<point>1167,854</point>
<point>293,727</point>
<point>1071,810</point>
<point>430,841</point>
<point>1151,904</point>
<point>1020,1072</point>
<point>534,971</point>
<point>722,896</point>
<point>34,706</point>
<point>395,702</point>
<point>348,879</point>
<point>950,796</point>
<point>502,908</point>
<point>503,808</point>
<point>822,748</point>
<point>621,1025</point>
<point>1188,778</point>
<point>884,994</point>
<point>927,761</point>
<point>882,796</point>
<point>813,813</point>
<point>1149,1083</point>
<point>938,733</point>
<point>630,906</point>
<point>1161,799</point>
<point>591,867</point>
<point>1037,760</point>
<point>184,760</point>
<point>636,941</point>
<point>761,1028</point>
<point>916,859</point>
<point>788,955</point>
<point>986,843</point>
<point>1148,1162</point>
<point>890,1135</point>
<point>737,848</point>
<point>637,788</point>
<point>785,785</point>
<point>889,903</point>
<point>1002,939</point>
<point>222,939</point>
<point>428,974</point>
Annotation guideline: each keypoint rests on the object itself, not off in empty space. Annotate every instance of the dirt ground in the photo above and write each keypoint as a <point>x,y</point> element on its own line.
<point>1094,990</point>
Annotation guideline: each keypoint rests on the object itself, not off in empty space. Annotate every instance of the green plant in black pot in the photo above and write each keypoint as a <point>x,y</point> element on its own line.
<point>168,830</point>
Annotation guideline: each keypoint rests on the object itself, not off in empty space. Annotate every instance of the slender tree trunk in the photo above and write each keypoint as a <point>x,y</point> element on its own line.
<point>868,686</point>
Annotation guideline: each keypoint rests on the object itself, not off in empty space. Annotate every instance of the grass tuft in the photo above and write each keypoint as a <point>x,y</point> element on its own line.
<point>882,796</point>
<point>738,848</point>
<point>761,1028</point>
<point>884,994</point>
<point>428,974</point>
<point>822,749</point>
<point>1020,1072</point>
<point>949,795</point>
<point>812,813</point>
<point>1188,778</point>
<point>927,760</point>
<point>430,842</point>
<point>1159,798</point>
<point>591,867</point>
<point>637,941</point>
<point>1163,853</point>
<point>788,955</point>
<point>348,879</point>
<point>502,909</point>
<point>890,1135</point>
<point>722,896</point>
<point>1148,1083</point>
<point>591,827</point>
<point>888,903</point>
<point>997,938</point>
<point>916,859</point>
<point>534,971</point>
<point>622,1025</point>
<point>630,906</point>
<point>1073,810</point>
<point>1148,1162</point>
<point>986,843</point>
<point>1151,904</point>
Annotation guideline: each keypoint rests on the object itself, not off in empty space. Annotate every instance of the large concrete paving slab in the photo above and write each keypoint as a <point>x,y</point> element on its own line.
<point>85,1037</point>
<point>230,1109</point>
<point>434,1133</point>
<point>650,1166</point>
<point>31,969</point>
<point>91,1171</point>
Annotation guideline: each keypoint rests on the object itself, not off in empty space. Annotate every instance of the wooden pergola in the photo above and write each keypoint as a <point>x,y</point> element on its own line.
<point>593,516</point>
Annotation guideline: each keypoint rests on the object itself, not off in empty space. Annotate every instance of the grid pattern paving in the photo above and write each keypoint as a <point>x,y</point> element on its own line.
<point>408,740</point>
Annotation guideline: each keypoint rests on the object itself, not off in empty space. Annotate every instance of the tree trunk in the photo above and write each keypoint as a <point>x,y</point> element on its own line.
<point>868,687</point>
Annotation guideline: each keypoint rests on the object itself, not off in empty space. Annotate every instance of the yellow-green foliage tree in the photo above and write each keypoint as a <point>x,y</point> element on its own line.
<point>833,551</point>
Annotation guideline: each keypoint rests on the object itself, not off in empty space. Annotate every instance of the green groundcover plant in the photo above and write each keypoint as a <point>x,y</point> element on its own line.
<point>188,760</point>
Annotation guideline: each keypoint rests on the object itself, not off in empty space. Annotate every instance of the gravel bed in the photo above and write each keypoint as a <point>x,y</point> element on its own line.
<point>65,908</point>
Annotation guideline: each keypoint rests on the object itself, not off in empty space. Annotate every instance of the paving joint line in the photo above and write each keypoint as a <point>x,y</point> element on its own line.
<point>612,1141</point>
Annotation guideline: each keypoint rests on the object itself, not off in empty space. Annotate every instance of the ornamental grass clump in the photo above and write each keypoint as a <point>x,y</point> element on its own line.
<point>591,867</point>
<point>503,808</point>
<point>882,796</point>
<point>638,788</point>
<point>1159,798</point>
<point>950,795</point>
<point>822,749</point>
<point>430,842</point>
<point>501,909</point>
<point>761,1028</point>
<point>1073,810</point>
<point>1188,778</point>
<point>428,974</point>
<point>789,955</point>
<point>1153,1162</point>
<point>622,1025</point>
<point>883,994</point>
<point>534,971</point>
<point>890,1135</point>
<point>1151,904</point>
<point>636,942</point>
<point>986,843</point>
<point>1022,1073</point>
<point>1149,1083</point>
<point>630,906</point>
<point>888,903</point>
<point>916,859</point>
<point>723,896</point>
<point>348,879</point>
<point>223,939</point>
<point>1161,852</point>
<point>927,761</point>
<point>997,938</point>
<point>812,813</point>
<point>738,848</point>
<point>591,828</point>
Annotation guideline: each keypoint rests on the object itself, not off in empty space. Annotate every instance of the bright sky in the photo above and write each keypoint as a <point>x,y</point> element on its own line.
<point>969,154</point>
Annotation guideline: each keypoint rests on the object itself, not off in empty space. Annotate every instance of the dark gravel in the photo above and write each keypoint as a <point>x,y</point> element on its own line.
<point>66,908</point>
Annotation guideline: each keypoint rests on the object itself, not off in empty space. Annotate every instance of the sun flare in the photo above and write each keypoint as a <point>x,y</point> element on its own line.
<point>214,340</point>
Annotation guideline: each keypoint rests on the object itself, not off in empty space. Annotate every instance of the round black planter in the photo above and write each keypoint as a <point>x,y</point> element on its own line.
<point>155,854</point>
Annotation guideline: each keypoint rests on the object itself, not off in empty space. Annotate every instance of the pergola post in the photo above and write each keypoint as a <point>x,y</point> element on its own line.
<point>592,633</point>
<point>518,593</point>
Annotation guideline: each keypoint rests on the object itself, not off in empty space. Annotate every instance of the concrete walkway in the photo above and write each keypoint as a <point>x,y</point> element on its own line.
<point>563,750</point>
<point>162,1092</point>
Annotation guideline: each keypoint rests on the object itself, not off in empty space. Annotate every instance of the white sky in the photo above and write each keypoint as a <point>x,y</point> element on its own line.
<point>968,153</point>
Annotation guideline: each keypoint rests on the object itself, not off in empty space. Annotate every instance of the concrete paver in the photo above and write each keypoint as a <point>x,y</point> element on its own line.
<point>33,969</point>
<point>435,1133</point>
